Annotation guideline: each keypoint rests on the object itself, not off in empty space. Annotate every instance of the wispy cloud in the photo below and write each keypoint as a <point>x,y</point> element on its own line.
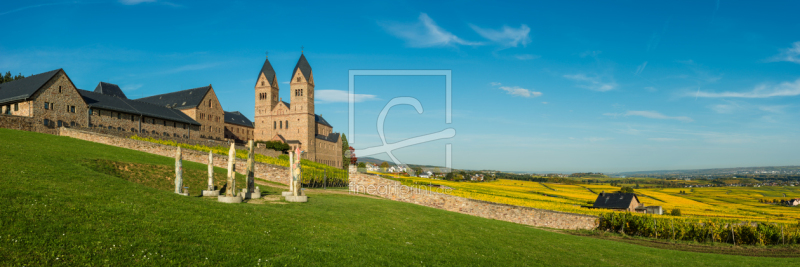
<point>640,68</point>
<point>791,54</point>
<point>507,36</point>
<point>425,33</point>
<point>650,89</point>
<point>33,6</point>
<point>595,82</point>
<point>760,91</point>
<point>342,96</point>
<point>663,139</point>
<point>517,91</point>
<point>651,115</point>
<point>135,2</point>
<point>773,109</point>
<point>526,56</point>
<point>725,108</point>
<point>131,87</point>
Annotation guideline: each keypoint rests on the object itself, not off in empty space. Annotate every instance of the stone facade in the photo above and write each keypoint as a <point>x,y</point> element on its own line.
<point>155,127</point>
<point>374,185</point>
<point>294,123</point>
<point>210,114</point>
<point>238,133</point>
<point>58,103</point>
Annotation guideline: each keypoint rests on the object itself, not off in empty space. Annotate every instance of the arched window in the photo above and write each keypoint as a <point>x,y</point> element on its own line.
<point>262,83</point>
<point>298,79</point>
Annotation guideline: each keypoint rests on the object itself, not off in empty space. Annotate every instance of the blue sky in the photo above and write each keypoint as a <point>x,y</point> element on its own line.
<point>554,86</point>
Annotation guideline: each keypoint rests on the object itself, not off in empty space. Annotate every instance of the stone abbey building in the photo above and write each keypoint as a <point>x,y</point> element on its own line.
<point>47,101</point>
<point>295,122</point>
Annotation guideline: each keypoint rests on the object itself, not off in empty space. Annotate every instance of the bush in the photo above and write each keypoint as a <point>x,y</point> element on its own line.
<point>675,212</point>
<point>275,145</point>
<point>626,189</point>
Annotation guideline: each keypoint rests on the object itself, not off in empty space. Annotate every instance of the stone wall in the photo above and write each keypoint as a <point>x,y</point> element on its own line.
<point>264,171</point>
<point>374,185</point>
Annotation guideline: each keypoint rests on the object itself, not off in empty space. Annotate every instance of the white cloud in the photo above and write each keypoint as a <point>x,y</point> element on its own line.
<point>426,33</point>
<point>286,82</point>
<point>651,89</point>
<point>656,115</point>
<point>342,96</point>
<point>761,91</point>
<point>518,91</point>
<point>135,2</point>
<point>595,83</point>
<point>596,139</point>
<point>725,109</point>
<point>650,114</point>
<point>791,54</point>
<point>640,68</point>
<point>662,139</point>
<point>508,37</point>
<point>526,56</point>
<point>131,87</point>
<point>773,109</point>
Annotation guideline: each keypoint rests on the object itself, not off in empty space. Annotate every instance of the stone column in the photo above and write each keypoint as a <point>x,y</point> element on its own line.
<point>178,172</point>
<point>231,191</point>
<point>250,165</point>
<point>210,171</point>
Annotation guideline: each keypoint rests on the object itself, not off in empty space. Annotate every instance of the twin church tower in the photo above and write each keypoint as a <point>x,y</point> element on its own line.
<point>295,122</point>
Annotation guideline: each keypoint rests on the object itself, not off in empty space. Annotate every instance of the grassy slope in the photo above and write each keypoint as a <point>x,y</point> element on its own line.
<point>54,206</point>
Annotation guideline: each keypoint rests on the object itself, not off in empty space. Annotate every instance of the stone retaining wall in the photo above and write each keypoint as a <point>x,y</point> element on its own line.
<point>374,185</point>
<point>264,171</point>
<point>25,123</point>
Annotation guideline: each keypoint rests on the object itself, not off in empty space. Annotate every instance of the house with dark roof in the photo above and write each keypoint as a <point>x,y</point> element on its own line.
<point>110,109</point>
<point>238,127</point>
<point>44,101</point>
<point>617,201</point>
<point>294,122</point>
<point>200,104</point>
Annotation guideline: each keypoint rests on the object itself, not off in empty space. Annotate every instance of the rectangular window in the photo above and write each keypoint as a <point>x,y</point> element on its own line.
<point>90,111</point>
<point>46,122</point>
<point>119,116</point>
<point>46,106</point>
<point>16,107</point>
<point>59,123</point>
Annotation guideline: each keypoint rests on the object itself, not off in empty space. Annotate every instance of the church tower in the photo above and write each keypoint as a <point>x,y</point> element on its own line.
<point>302,87</point>
<point>302,105</point>
<point>267,98</point>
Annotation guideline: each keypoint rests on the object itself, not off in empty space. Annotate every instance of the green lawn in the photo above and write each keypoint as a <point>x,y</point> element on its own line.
<point>60,209</point>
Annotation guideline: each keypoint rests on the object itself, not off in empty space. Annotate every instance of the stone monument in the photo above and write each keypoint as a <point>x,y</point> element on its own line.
<point>296,178</point>
<point>230,192</point>
<point>179,173</point>
<point>251,192</point>
<point>210,192</point>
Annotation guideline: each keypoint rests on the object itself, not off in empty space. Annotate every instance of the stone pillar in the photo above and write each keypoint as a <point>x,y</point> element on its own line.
<point>230,196</point>
<point>210,171</point>
<point>231,191</point>
<point>250,165</point>
<point>179,172</point>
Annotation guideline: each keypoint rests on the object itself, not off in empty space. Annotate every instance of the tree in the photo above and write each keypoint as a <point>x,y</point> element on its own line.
<point>626,189</point>
<point>7,77</point>
<point>384,165</point>
<point>275,145</point>
<point>675,212</point>
<point>345,147</point>
<point>417,170</point>
<point>362,165</point>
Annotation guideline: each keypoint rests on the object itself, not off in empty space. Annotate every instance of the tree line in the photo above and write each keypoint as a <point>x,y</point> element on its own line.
<point>7,78</point>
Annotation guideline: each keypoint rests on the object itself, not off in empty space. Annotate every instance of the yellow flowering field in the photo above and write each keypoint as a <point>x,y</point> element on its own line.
<point>739,203</point>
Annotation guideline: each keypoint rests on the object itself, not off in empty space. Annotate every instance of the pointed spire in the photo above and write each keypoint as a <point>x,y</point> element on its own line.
<point>304,67</point>
<point>268,72</point>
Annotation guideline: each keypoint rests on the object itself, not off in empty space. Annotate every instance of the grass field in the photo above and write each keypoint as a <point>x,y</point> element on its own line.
<point>62,207</point>
<point>738,203</point>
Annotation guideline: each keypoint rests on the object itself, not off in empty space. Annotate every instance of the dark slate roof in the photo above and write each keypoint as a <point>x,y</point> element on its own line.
<point>321,120</point>
<point>287,104</point>
<point>332,137</point>
<point>109,89</point>
<point>304,67</point>
<point>103,101</point>
<point>24,88</point>
<point>238,119</point>
<point>615,200</point>
<point>268,72</point>
<point>181,99</point>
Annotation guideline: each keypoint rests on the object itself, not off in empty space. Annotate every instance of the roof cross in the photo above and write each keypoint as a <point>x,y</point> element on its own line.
<point>301,49</point>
